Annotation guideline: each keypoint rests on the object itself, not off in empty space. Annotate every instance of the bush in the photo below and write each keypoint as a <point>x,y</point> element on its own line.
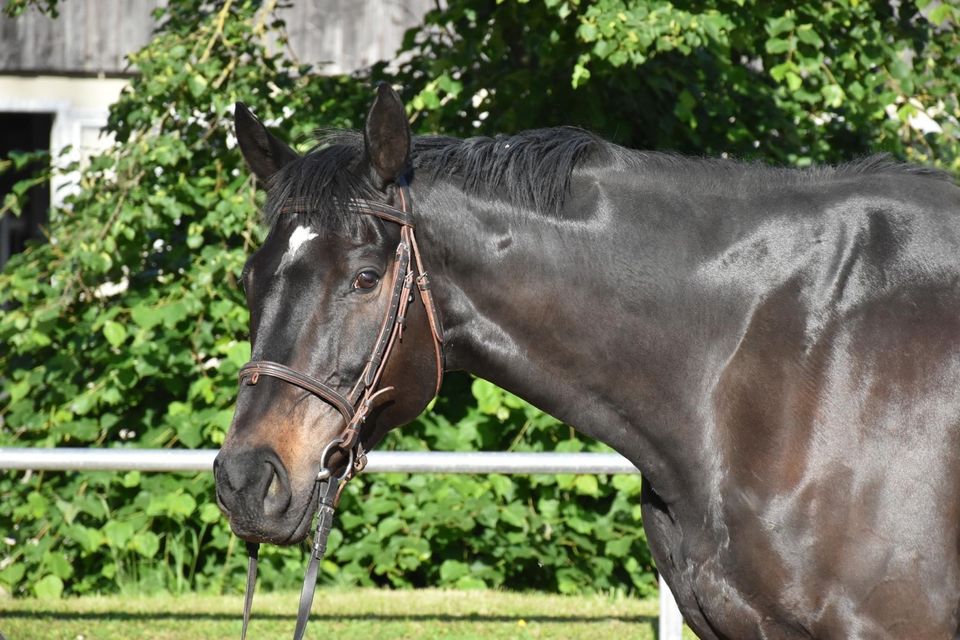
<point>127,328</point>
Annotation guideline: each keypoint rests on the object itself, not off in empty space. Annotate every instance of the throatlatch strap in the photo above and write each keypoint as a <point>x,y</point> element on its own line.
<point>328,495</point>
<point>253,551</point>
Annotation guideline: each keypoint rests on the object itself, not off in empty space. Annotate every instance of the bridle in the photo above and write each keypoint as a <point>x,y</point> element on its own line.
<point>356,405</point>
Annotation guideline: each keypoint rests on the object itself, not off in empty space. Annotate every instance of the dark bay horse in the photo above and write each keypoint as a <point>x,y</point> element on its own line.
<point>778,351</point>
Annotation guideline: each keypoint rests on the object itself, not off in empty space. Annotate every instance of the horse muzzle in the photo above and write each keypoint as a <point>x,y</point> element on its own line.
<point>263,504</point>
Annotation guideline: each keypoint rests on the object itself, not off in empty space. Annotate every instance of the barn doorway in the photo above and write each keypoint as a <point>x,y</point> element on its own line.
<point>23,132</point>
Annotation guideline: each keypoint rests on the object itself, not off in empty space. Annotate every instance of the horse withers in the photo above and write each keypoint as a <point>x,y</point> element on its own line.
<point>777,350</point>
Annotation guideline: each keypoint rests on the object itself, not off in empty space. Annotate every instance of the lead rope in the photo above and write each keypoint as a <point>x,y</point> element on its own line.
<point>253,551</point>
<point>329,490</point>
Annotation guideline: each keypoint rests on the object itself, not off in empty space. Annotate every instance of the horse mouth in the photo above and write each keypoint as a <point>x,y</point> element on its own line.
<point>289,529</point>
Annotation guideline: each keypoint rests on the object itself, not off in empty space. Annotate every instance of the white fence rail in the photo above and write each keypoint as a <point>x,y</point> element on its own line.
<point>169,460</point>
<point>77,459</point>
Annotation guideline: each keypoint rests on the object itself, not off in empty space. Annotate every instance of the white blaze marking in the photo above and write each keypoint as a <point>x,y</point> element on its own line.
<point>300,235</point>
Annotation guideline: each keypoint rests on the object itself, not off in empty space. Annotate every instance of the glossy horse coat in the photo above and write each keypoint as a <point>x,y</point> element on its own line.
<point>778,351</point>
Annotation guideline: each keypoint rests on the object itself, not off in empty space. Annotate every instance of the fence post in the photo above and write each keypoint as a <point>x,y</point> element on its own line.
<point>671,622</point>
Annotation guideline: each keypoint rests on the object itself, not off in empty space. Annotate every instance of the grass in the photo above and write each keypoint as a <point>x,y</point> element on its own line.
<point>427,614</point>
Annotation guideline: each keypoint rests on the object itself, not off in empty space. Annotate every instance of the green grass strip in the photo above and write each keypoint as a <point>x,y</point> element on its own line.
<point>426,614</point>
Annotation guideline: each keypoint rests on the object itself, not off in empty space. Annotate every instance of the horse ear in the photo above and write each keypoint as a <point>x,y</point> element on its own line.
<point>264,153</point>
<point>386,135</point>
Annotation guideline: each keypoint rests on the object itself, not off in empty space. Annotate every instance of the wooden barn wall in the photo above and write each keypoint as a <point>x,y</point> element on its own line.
<point>345,35</point>
<point>91,37</point>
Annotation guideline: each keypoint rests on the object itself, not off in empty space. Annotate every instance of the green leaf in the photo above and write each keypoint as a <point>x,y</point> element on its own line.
<point>172,504</point>
<point>587,32</point>
<point>942,13</point>
<point>190,434</point>
<point>58,565</point>
<point>13,573</point>
<point>197,84</point>
<point>587,485</point>
<point>145,316</point>
<point>807,35</point>
<point>780,25</point>
<point>173,313</point>
<point>618,547</point>
<point>453,570</point>
<point>515,515</point>
<point>210,513</point>
<point>580,75</point>
<point>19,391</point>
<point>238,353</point>
<point>794,81</point>
<point>146,543</point>
<point>489,396</point>
<point>89,538</point>
<point>389,526</point>
<point>833,95</point>
<point>115,333</point>
<point>118,533</point>
<point>502,485</point>
<point>68,509</point>
<point>777,45</point>
<point>48,588</point>
<point>470,583</point>
<point>627,484</point>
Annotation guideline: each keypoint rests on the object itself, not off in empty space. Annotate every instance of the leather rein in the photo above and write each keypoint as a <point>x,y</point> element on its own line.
<point>356,405</point>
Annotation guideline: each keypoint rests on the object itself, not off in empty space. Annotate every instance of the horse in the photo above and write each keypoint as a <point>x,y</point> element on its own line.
<point>777,350</point>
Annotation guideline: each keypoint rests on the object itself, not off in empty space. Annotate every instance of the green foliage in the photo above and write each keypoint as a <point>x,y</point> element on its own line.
<point>788,82</point>
<point>15,8</point>
<point>127,328</point>
<point>563,533</point>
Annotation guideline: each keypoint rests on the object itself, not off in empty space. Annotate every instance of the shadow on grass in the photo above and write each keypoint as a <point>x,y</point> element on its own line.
<point>330,617</point>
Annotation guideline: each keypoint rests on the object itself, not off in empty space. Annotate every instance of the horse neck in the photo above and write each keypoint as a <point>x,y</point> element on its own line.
<point>576,313</point>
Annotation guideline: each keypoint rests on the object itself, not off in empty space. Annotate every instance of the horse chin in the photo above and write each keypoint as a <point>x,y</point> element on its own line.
<point>289,528</point>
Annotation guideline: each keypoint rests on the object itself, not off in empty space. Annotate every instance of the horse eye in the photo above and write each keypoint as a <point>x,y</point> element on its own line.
<point>366,280</point>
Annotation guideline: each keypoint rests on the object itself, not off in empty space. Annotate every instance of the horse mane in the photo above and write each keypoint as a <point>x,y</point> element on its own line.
<point>530,169</point>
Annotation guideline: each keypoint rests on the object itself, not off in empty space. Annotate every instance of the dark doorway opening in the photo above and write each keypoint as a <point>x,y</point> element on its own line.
<point>23,132</point>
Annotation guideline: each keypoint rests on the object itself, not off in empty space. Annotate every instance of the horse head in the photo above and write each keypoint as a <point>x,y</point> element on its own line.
<point>344,344</point>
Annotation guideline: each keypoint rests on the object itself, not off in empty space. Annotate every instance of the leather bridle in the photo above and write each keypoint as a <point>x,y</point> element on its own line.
<point>356,405</point>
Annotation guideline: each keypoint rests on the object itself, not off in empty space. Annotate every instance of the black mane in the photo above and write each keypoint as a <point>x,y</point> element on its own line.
<point>531,169</point>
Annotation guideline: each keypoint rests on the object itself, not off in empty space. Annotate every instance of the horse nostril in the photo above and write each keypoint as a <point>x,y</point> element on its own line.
<point>278,495</point>
<point>274,489</point>
<point>252,482</point>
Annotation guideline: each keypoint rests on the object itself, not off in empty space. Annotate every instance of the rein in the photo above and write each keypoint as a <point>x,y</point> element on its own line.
<point>408,272</point>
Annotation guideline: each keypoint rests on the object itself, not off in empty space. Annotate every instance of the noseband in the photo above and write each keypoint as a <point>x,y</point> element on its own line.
<point>356,405</point>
